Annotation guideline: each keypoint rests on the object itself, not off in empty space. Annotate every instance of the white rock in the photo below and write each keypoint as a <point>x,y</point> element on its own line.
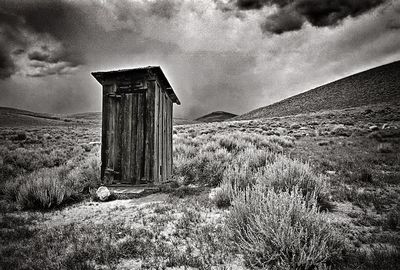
<point>213,193</point>
<point>94,143</point>
<point>103,193</point>
<point>373,127</point>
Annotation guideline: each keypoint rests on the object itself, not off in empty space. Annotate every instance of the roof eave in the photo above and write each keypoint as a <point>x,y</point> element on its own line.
<point>99,76</point>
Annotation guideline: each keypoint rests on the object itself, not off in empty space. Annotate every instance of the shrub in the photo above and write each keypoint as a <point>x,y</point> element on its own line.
<point>284,141</point>
<point>254,158</point>
<point>205,168</point>
<point>90,171</point>
<point>20,136</point>
<point>222,195</point>
<point>42,190</point>
<point>341,130</point>
<point>364,175</point>
<point>286,174</point>
<point>281,231</point>
<point>230,144</point>
<point>385,148</point>
<point>393,218</point>
<point>262,142</point>
<point>10,188</point>
<point>295,126</point>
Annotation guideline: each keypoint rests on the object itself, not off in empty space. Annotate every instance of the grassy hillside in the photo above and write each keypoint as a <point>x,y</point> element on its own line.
<point>374,86</point>
<point>87,115</point>
<point>216,117</point>
<point>12,117</point>
<point>183,121</point>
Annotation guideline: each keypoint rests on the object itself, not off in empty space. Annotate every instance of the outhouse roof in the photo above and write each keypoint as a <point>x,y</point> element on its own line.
<point>101,76</point>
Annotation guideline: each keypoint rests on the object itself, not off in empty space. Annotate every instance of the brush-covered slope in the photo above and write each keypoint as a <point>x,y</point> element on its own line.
<point>95,116</point>
<point>216,117</point>
<point>12,117</point>
<point>16,117</point>
<point>374,86</point>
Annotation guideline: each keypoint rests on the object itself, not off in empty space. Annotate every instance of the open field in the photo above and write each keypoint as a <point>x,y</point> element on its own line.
<point>312,191</point>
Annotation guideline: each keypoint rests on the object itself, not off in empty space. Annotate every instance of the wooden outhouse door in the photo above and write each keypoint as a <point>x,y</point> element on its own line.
<point>126,137</point>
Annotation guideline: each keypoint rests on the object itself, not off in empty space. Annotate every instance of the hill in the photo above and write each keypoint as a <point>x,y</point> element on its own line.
<point>96,116</point>
<point>15,117</point>
<point>12,117</point>
<point>374,86</point>
<point>217,116</point>
<point>182,121</point>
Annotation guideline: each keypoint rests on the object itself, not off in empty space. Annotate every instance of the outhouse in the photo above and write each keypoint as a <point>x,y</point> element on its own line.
<point>136,145</point>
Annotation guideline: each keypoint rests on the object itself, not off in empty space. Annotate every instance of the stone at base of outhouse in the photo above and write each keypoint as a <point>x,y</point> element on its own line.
<point>132,191</point>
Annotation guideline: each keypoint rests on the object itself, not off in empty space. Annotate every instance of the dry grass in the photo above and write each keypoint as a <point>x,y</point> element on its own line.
<point>266,175</point>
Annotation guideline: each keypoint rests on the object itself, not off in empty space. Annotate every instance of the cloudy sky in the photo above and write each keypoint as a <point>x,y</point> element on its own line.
<point>232,55</point>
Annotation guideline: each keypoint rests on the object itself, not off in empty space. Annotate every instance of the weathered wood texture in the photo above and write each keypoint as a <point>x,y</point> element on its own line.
<point>136,126</point>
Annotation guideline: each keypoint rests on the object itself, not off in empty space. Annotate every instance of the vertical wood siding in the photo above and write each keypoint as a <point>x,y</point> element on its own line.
<point>136,135</point>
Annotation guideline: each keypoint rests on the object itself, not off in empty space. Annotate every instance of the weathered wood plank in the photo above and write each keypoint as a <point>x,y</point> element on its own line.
<point>105,132</point>
<point>161,134</point>
<point>126,136</point>
<point>134,116</point>
<point>110,134</point>
<point>156,133</point>
<point>129,138</point>
<point>166,138</point>
<point>124,133</point>
<point>164,163</point>
<point>171,147</point>
<point>118,136</point>
<point>149,131</point>
<point>169,139</point>
<point>129,142</point>
<point>140,136</point>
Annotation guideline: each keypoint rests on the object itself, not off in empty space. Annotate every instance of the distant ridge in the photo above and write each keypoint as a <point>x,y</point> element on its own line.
<point>13,117</point>
<point>374,86</point>
<point>217,116</point>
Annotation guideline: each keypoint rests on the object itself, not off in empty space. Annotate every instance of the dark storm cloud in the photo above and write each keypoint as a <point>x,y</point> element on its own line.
<point>39,56</point>
<point>211,51</point>
<point>292,14</point>
<point>7,66</point>
<point>10,37</point>
<point>394,23</point>
<point>164,8</point>
<point>283,20</point>
<point>46,62</point>
<point>22,23</point>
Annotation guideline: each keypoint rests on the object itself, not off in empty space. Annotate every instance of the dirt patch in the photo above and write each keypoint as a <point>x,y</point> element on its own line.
<point>101,212</point>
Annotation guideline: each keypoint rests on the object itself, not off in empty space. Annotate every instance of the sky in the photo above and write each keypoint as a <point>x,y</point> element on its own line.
<point>229,55</point>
